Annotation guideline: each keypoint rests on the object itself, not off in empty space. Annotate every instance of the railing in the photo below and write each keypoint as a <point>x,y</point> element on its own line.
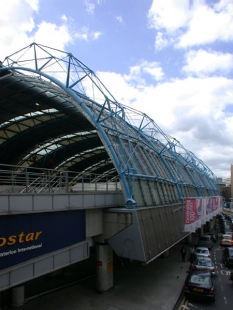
<point>18,179</point>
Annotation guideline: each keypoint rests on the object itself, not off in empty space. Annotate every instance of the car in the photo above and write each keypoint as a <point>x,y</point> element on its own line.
<point>226,240</point>
<point>202,251</point>
<point>200,284</point>
<point>205,241</point>
<point>203,263</point>
<point>227,257</point>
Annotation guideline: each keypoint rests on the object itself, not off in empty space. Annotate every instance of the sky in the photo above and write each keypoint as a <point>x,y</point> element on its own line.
<point>170,59</point>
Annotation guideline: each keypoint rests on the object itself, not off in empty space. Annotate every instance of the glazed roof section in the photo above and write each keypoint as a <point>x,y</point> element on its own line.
<point>42,122</point>
<point>38,121</point>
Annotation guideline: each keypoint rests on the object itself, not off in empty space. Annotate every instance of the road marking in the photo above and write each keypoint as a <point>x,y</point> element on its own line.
<point>225,272</point>
<point>184,304</point>
<point>222,287</point>
<point>191,305</point>
<point>225,300</point>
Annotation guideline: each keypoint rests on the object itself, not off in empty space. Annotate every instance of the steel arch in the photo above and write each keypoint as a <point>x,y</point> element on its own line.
<point>124,131</point>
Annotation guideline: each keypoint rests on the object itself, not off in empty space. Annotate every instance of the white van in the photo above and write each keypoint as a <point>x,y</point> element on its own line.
<point>206,241</point>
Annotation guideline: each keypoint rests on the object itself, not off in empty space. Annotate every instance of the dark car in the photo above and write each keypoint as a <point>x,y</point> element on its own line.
<point>227,256</point>
<point>200,285</point>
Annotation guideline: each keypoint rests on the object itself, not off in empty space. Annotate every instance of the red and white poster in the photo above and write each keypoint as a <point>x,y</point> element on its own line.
<point>216,205</point>
<point>190,214</point>
<point>209,208</point>
<point>198,212</point>
<point>204,215</point>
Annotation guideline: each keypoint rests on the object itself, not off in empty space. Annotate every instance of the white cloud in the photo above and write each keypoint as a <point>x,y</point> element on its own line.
<point>52,35</point>
<point>34,4</point>
<point>140,72</point>
<point>87,35</point>
<point>90,7</point>
<point>20,30</point>
<point>169,14</point>
<point>192,110</point>
<point>207,26</point>
<point>187,24</point>
<point>64,18</point>
<point>160,41</point>
<point>202,62</point>
<point>96,35</point>
<point>119,19</point>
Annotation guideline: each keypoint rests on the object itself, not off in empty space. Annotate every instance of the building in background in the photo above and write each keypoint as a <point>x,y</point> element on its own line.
<point>226,188</point>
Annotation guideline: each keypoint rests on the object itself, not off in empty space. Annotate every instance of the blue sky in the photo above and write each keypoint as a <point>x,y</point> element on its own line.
<point>172,59</point>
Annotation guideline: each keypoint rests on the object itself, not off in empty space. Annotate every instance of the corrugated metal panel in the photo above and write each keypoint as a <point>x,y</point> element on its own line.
<point>160,228</point>
<point>148,233</point>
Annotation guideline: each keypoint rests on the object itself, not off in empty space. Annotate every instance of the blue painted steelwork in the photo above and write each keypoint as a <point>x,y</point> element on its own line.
<point>92,119</point>
<point>124,131</point>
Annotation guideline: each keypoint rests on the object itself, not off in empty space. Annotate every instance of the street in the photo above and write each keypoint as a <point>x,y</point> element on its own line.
<point>224,287</point>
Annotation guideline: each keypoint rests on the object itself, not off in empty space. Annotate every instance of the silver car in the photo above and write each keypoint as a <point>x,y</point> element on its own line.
<point>203,263</point>
<point>202,251</point>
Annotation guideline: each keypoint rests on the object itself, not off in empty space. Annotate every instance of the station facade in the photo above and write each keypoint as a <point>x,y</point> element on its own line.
<point>80,169</point>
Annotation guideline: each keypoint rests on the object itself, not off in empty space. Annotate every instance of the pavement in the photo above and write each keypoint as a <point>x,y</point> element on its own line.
<point>157,285</point>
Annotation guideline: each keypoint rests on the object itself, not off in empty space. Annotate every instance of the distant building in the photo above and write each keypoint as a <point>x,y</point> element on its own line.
<point>226,187</point>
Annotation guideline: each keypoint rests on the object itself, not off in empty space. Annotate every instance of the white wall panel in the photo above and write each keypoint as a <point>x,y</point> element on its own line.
<point>45,264</point>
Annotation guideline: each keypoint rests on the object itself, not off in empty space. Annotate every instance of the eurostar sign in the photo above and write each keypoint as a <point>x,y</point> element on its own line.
<point>27,236</point>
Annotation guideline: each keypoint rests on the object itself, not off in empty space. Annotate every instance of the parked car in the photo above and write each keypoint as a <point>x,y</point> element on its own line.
<point>227,256</point>
<point>203,263</point>
<point>200,284</point>
<point>202,251</point>
<point>226,240</point>
<point>205,241</point>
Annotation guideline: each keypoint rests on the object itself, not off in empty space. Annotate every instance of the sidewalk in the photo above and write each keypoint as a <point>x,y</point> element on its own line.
<point>157,285</point>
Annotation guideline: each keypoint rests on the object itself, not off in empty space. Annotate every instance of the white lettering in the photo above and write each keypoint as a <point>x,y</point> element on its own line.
<point>225,272</point>
<point>33,247</point>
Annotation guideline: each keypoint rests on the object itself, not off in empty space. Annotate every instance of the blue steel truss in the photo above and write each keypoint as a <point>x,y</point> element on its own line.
<point>124,131</point>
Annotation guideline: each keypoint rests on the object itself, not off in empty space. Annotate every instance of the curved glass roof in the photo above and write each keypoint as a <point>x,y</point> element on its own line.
<point>55,113</point>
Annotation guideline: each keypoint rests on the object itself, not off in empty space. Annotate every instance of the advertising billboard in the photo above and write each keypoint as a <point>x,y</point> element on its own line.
<point>199,210</point>
<point>27,236</point>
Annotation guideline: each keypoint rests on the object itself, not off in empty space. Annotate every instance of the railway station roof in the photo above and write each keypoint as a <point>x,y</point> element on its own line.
<point>56,113</point>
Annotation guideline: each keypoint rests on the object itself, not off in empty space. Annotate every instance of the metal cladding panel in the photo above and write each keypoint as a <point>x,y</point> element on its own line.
<point>41,202</point>
<point>128,242</point>
<point>27,236</point>
<point>172,226</point>
<point>178,222</point>
<point>16,201</point>
<point>138,194</point>
<point>148,232</point>
<point>23,272</point>
<point>160,228</point>
<point>44,264</point>
<point>166,227</point>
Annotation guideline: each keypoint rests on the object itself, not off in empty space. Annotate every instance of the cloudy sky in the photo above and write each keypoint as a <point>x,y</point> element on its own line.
<point>171,59</point>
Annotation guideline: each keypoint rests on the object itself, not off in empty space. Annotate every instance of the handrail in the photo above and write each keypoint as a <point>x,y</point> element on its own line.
<point>19,179</point>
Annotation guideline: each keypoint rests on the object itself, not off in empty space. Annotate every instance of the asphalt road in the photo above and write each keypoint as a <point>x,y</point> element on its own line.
<point>224,287</point>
